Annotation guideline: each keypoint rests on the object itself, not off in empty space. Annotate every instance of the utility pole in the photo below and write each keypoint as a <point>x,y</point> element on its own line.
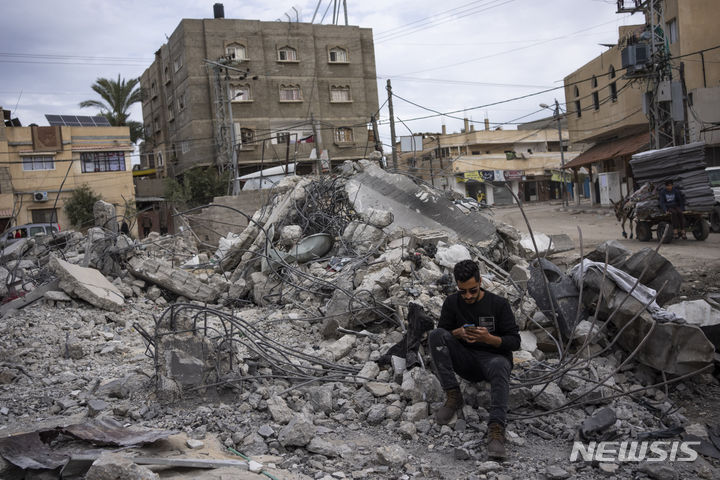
<point>392,126</point>
<point>656,72</point>
<point>376,134</point>
<point>562,155</point>
<point>236,173</point>
<point>316,138</point>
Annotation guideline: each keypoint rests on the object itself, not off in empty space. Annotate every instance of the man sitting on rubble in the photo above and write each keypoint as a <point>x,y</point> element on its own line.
<point>673,201</point>
<point>475,337</point>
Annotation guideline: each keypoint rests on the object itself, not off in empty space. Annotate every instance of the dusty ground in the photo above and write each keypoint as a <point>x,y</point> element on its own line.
<point>599,224</point>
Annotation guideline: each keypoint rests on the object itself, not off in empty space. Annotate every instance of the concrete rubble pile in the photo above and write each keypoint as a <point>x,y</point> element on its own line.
<point>284,345</point>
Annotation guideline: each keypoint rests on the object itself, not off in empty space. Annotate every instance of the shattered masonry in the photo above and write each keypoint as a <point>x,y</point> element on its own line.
<point>302,338</point>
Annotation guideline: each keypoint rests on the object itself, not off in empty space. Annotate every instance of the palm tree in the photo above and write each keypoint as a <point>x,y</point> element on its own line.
<point>118,96</point>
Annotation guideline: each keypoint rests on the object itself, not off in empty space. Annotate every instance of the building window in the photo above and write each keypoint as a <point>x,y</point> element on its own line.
<point>290,93</point>
<point>157,124</point>
<point>282,137</point>
<point>160,161</point>
<point>593,81</point>
<point>178,63</point>
<point>102,162</point>
<point>578,110</point>
<point>153,89</point>
<point>287,54</point>
<point>340,94</point>
<point>43,215</point>
<point>240,93</point>
<point>343,135</point>
<point>613,92</point>
<point>166,71</point>
<point>171,113</point>
<point>236,52</point>
<point>185,146</point>
<point>577,92</point>
<point>38,162</point>
<point>672,30</point>
<point>338,55</point>
<point>243,135</point>
<point>181,101</point>
<point>612,71</point>
<point>596,100</point>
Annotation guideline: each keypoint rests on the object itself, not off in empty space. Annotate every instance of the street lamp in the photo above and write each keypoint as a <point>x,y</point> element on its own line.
<point>556,114</point>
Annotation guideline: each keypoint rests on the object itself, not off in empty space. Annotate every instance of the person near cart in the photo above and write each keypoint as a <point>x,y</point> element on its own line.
<point>672,201</point>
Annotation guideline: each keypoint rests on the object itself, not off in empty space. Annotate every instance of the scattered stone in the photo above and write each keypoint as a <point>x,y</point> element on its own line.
<point>194,444</point>
<point>379,389</point>
<point>391,455</point>
<point>554,472</point>
<point>297,433</point>
<point>111,466</point>
<point>96,406</point>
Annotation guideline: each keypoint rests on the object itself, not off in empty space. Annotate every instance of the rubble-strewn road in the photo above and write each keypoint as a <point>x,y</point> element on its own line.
<point>600,224</point>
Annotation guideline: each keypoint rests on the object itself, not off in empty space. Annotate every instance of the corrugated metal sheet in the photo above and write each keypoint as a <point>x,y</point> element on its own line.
<point>611,149</point>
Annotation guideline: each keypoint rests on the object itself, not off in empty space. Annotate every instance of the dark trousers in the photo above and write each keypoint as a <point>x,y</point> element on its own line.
<point>451,356</point>
<point>676,218</point>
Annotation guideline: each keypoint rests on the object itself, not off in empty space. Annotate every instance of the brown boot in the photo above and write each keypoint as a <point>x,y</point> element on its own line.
<point>453,403</point>
<point>496,441</point>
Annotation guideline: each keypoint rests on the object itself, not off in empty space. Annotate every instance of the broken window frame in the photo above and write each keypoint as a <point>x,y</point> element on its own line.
<point>102,162</point>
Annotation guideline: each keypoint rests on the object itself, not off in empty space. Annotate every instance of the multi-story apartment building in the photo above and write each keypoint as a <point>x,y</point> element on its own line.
<point>267,80</point>
<point>478,163</point>
<point>607,104</point>
<point>42,166</point>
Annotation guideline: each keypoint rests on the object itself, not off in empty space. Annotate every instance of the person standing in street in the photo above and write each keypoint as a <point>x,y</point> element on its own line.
<point>673,201</point>
<point>475,338</point>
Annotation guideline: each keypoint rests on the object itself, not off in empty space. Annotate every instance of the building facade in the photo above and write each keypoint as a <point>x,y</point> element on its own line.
<point>607,102</point>
<point>259,85</point>
<point>480,163</point>
<point>42,166</point>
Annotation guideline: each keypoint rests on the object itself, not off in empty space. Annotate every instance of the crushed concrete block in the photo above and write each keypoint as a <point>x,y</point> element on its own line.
<point>415,412</point>
<point>321,398</point>
<point>369,371</point>
<point>376,414</point>
<point>112,466</point>
<point>194,444</point>
<point>340,348</point>
<point>105,217</point>
<point>184,368</point>
<point>551,397</point>
<point>279,411</point>
<point>377,217</point>
<point>15,250</point>
<point>392,455</point>
<point>379,389</point>
<point>528,341</point>
<point>700,313</point>
<point>176,280</point>
<point>87,284</point>
<point>290,235</point>
<point>57,296</point>
<point>449,256</point>
<point>362,237</point>
<point>96,406</point>
<point>298,433</point>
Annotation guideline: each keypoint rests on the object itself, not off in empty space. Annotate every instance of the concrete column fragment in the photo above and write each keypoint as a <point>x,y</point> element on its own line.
<point>87,284</point>
<point>176,280</point>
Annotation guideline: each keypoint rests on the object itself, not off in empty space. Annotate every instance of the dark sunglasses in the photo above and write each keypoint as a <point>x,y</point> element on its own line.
<point>471,291</point>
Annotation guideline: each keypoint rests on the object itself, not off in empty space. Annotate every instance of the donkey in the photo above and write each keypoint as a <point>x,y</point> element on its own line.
<point>625,212</point>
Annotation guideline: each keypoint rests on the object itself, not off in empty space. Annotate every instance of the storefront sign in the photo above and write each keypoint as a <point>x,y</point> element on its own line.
<point>557,176</point>
<point>514,174</point>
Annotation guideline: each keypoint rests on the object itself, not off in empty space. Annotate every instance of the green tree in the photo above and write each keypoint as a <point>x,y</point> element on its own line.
<point>79,207</point>
<point>197,186</point>
<point>118,95</point>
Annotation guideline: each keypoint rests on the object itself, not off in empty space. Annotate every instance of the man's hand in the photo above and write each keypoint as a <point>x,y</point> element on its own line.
<point>477,334</point>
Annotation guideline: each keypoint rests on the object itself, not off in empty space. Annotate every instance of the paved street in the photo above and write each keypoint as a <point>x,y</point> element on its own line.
<point>599,224</point>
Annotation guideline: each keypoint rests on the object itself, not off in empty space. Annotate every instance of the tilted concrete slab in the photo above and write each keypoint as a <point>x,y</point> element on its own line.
<point>174,279</point>
<point>413,205</point>
<point>87,284</point>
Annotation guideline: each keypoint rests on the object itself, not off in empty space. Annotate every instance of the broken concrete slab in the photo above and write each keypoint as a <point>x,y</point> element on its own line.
<point>659,273</point>
<point>545,244</point>
<point>701,314</point>
<point>414,205</point>
<point>176,280</point>
<point>88,284</point>
<point>15,250</point>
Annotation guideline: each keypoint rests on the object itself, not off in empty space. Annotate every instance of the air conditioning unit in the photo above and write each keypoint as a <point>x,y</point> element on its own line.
<point>40,196</point>
<point>635,57</point>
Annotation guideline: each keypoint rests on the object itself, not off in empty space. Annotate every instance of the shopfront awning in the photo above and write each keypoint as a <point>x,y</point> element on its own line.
<point>611,149</point>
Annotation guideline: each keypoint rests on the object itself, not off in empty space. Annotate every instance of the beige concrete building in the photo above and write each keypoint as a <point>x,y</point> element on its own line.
<point>37,160</point>
<point>528,160</point>
<point>279,75</point>
<point>607,110</point>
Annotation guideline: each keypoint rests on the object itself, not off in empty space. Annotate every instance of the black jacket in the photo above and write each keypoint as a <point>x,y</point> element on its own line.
<point>673,198</point>
<point>456,313</point>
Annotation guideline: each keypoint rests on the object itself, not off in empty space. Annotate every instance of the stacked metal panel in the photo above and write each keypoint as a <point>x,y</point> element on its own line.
<point>684,165</point>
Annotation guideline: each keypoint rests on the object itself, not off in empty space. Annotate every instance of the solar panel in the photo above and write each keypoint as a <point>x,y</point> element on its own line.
<point>77,121</point>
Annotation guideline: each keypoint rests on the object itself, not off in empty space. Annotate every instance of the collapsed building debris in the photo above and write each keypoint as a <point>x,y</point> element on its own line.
<point>309,357</point>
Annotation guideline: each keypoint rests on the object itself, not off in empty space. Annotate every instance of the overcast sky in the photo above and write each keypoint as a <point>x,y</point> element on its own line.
<point>445,56</point>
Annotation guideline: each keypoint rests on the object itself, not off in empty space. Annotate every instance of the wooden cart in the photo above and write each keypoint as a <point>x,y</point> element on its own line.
<point>695,223</point>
